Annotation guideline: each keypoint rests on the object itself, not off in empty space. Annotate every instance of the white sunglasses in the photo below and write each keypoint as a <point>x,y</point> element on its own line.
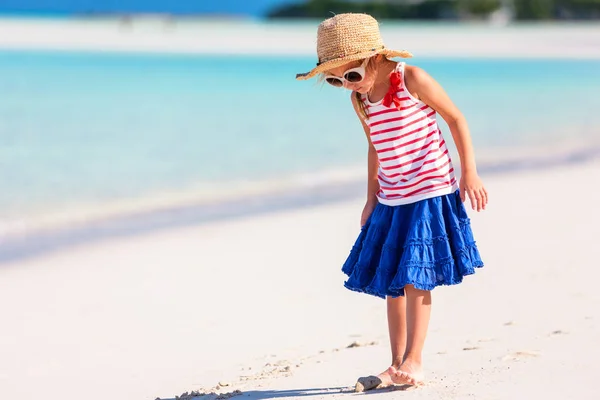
<point>353,75</point>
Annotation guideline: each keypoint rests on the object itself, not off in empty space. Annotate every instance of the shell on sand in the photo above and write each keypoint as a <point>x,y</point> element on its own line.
<point>367,383</point>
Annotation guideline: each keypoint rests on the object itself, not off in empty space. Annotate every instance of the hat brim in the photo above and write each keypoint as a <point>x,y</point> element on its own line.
<point>345,60</point>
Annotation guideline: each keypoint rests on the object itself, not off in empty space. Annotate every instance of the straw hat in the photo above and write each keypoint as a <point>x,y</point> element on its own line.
<point>348,37</point>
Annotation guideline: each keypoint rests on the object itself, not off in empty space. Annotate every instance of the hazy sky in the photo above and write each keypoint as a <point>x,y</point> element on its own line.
<point>246,7</point>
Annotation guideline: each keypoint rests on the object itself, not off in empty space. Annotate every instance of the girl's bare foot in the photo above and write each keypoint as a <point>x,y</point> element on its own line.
<point>409,373</point>
<point>386,378</point>
<point>382,380</point>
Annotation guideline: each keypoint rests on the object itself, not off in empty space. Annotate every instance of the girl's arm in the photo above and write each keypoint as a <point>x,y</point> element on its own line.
<point>372,166</point>
<point>423,87</point>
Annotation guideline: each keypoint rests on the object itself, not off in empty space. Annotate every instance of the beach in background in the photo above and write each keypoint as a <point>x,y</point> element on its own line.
<point>176,208</point>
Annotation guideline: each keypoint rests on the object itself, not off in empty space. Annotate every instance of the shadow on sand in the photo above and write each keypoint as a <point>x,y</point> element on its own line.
<point>293,393</point>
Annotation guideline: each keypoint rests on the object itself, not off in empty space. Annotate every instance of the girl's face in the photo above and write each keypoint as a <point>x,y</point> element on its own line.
<point>348,76</point>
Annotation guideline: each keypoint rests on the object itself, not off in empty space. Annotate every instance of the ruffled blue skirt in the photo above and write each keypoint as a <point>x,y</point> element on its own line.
<point>425,244</point>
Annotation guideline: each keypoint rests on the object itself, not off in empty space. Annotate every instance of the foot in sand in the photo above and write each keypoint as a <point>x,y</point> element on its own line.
<point>382,380</point>
<point>409,373</point>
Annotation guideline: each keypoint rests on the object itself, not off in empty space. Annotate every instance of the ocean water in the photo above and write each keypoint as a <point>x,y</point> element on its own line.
<point>88,130</point>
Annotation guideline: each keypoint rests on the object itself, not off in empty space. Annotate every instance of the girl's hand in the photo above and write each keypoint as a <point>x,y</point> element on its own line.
<point>471,185</point>
<point>369,207</point>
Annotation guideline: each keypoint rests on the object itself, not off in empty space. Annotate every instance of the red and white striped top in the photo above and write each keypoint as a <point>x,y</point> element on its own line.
<point>414,163</point>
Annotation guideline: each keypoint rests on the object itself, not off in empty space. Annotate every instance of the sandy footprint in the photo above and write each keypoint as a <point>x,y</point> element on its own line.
<point>359,344</point>
<point>520,355</point>
<point>558,332</point>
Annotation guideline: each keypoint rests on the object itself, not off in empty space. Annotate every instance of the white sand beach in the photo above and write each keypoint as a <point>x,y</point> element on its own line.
<point>231,37</point>
<point>258,304</point>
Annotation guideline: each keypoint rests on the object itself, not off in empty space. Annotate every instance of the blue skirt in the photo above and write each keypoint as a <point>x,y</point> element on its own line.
<point>425,244</point>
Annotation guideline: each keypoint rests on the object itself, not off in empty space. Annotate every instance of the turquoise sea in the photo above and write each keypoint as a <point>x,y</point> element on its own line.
<point>87,130</point>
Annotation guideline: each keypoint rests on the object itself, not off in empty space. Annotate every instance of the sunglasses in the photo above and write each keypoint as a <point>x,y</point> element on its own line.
<point>353,75</point>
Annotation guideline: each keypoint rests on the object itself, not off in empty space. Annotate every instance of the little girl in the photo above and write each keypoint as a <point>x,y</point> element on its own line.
<point>415,231</point>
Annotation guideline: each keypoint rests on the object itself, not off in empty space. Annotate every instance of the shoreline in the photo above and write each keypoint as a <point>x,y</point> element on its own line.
<point>233,37</point>
<point>24,239</point>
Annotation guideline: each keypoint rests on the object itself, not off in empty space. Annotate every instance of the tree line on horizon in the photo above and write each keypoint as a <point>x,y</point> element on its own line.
<point>442,9</point>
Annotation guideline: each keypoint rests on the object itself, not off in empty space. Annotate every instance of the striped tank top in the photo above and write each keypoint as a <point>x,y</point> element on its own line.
<point>414,163</point>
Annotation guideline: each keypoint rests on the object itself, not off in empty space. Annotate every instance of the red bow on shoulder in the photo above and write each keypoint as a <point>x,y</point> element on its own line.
<point>395,84</point>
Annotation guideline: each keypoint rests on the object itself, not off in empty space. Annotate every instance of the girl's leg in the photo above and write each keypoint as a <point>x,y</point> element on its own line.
<point>418,311</point>
<point>396,314</point>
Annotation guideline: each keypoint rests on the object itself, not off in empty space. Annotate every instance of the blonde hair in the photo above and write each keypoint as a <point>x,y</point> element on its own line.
<point>370,67</point>
<point>362,109</point>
